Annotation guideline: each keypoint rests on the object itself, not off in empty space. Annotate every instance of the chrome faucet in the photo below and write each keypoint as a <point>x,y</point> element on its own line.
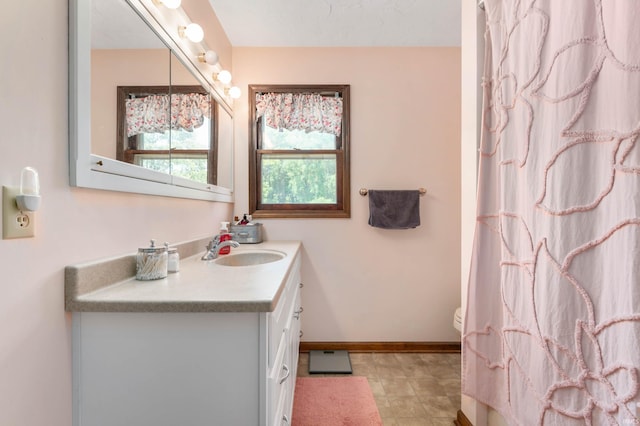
<point>214,246</point>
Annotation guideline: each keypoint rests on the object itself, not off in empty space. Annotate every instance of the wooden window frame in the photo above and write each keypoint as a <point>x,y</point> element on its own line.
<point>342,208</point>
<point>126,147</point>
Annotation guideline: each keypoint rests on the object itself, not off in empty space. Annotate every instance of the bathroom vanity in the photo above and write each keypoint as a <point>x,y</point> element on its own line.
<point>214,344</point>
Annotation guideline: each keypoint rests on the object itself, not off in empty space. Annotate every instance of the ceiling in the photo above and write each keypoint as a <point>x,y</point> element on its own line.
<point>331,23</point>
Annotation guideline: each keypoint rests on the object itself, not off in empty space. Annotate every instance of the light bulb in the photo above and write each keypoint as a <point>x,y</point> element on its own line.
<point>193,32</point>
<point>224,77</point>
<point>210,57</point>
<point>234,92</point>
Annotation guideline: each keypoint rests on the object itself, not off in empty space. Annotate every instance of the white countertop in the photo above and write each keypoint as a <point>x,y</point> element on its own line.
<point>199,286</point>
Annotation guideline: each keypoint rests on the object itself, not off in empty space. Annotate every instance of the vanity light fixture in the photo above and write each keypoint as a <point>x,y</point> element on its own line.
<point>223,76</point>
<point>233,92</point>
<point>210,57</point>
<point>169,4</point>
<point>192,31</point>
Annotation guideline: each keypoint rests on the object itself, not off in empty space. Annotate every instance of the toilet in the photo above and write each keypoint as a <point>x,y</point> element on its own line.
<point>457,320</point>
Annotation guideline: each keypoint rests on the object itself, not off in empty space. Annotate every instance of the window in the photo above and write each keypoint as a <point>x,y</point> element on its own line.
<point>184,146</point>
<point>299,151</point>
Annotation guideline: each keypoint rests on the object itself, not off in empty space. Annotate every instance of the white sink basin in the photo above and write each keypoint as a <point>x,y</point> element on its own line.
<point>249,258</point>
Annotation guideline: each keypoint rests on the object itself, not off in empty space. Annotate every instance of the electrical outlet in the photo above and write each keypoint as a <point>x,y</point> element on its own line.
<point>15,223</point>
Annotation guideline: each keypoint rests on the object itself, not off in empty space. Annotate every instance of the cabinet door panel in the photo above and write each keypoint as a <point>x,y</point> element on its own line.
<point>157,369</point>
<point>279,376</point>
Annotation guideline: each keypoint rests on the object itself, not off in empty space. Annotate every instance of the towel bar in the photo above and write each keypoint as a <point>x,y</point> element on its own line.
<point>365,191</point>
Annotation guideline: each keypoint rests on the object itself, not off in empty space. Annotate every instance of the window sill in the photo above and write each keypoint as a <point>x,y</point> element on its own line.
<point>300,214</point>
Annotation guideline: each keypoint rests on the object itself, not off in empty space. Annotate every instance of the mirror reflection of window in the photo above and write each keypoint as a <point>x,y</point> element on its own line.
<point>168,129</point>
<point>159,151</point>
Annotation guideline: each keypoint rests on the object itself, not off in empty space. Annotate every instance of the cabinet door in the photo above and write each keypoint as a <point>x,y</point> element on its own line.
<point>278,320</point>
<point>278,381</point>
<point>282,419</point>
<point>158,369</point>
<point>294,345</point>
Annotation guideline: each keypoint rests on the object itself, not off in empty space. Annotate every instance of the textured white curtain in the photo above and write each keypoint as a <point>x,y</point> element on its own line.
<point>552,332</point>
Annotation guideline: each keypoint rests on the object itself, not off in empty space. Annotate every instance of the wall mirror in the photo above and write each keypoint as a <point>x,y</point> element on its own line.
<point>126,64</point>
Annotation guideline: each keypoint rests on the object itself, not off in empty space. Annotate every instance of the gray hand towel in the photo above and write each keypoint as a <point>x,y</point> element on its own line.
<point>394,209</point>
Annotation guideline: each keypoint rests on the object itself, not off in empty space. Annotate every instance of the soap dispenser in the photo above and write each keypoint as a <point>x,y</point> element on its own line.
<point>224,236</point>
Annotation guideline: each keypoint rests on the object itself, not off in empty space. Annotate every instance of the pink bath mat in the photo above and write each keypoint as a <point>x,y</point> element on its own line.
<point>334,401</point>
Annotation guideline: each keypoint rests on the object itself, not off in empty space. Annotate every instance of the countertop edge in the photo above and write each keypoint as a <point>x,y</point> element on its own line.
<point>169,307</point>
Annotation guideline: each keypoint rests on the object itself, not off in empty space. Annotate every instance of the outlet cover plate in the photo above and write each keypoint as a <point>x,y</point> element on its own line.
<point>15,223</point>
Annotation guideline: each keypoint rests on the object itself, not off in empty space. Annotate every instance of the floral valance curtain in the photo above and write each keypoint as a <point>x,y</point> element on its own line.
<point>301,111</point>
<point>150,114</point>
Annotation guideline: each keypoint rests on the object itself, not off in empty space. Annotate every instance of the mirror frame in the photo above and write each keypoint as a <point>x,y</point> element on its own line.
<point>88,170</point>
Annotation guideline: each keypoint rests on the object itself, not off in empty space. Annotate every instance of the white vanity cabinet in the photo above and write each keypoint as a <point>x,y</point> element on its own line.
<point>188,368</point>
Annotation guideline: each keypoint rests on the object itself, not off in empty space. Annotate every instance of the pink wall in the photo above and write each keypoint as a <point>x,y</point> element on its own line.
<point>73,225</point>
<point>363,283</point>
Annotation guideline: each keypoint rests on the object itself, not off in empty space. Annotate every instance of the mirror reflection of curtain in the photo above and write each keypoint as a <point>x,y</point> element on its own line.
<point>301,111</point>
<point>150,114</point>
<point>552,327</point>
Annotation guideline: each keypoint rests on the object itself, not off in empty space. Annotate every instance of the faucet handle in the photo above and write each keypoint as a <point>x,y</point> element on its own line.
<point>214,241</point>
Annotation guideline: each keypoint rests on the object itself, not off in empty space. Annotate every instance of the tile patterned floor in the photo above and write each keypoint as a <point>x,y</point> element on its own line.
<point>421,389</point>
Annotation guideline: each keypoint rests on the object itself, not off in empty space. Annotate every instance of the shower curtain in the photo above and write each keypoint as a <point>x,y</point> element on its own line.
<point>552,327</point>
